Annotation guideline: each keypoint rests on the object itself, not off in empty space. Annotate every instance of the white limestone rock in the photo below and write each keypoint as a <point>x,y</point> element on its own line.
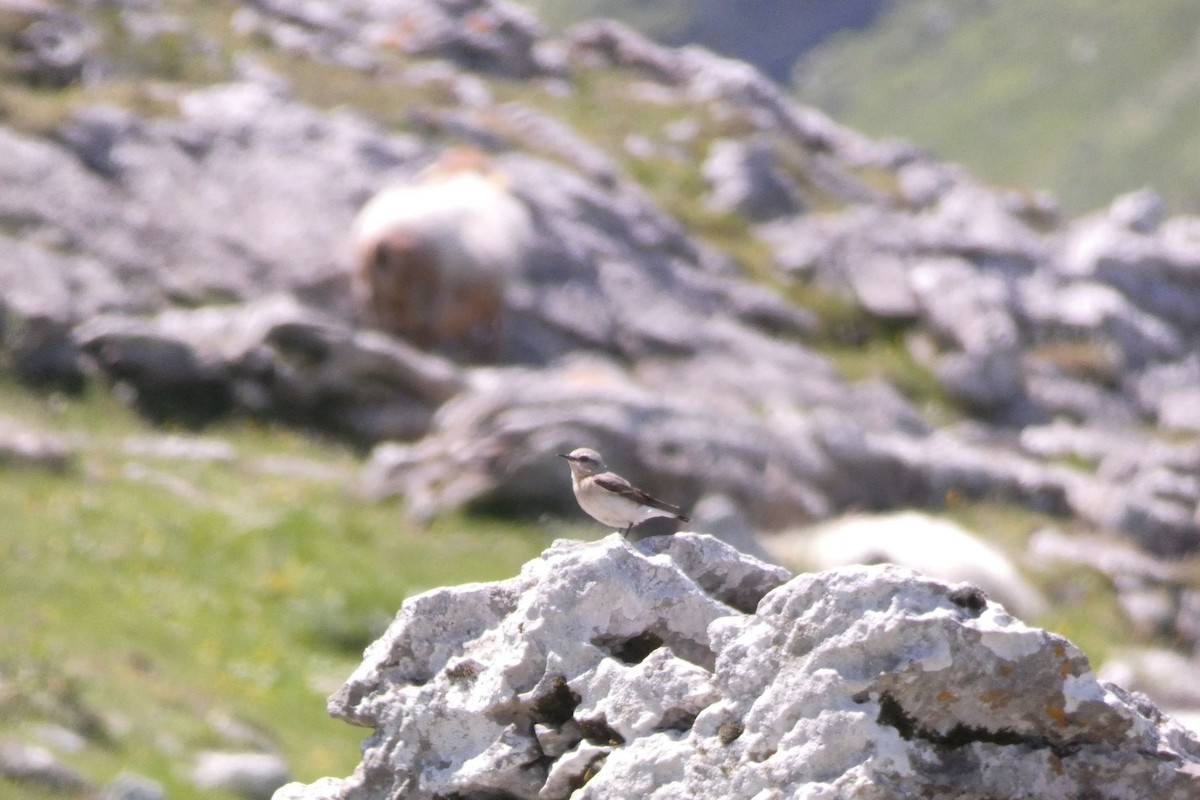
<point>934,547</point>
<point>689,670</point>
<point>254,776</point>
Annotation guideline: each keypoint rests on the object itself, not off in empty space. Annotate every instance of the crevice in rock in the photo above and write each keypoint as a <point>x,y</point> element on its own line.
<point>729,732</point>
<point>630,649</point>
<point>558,705</point>
<point>463,670</point>
<point>598,731</point>
<point>892,714</point>
<point>676,719</point>
<point>588,773</point>
<point>969,597</point>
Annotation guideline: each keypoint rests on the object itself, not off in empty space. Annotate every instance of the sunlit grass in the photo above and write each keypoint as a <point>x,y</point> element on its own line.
<point>247,598</point>
<point>1028,93</point>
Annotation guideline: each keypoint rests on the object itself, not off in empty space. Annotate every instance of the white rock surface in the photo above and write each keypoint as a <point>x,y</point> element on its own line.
<point>935,547</point>
<point>684,669</point>
<point>254,776</point>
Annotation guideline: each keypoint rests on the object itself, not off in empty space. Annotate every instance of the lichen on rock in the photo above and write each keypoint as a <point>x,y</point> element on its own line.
<point>679,667</point>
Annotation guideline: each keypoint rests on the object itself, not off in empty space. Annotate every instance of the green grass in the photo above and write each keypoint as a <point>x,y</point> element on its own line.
<point>143,616</point>
<point>1085,98</point>
<point>1084,609</point>
<point>144,75</point>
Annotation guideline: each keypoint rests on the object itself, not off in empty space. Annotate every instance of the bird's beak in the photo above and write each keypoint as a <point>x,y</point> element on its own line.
<point>564,455</point>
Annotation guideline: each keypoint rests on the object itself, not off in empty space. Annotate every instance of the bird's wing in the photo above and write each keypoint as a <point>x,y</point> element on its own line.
<point>618,485</point>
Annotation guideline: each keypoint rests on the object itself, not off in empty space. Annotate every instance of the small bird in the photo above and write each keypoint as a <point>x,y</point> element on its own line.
<point>608,497</point>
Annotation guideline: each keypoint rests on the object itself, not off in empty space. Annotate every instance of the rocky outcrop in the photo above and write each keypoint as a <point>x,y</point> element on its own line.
<point>273,358</point>
<point>934,547</point>
<point>679,667</point>
<point>253,776</point>
<point>43,45</point>
<point>490,35</point>
<point>1089,323</point>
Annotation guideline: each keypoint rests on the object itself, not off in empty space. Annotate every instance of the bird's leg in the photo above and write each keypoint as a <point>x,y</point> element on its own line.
<point>628,528</point>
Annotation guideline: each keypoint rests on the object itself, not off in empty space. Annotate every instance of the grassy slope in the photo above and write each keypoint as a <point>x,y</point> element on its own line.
<point>146,615</point>
<point>1082,97</point>
<point>150,616</point>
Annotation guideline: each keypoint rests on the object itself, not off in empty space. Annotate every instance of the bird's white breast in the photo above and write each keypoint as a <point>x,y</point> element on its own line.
<point>612,509</point>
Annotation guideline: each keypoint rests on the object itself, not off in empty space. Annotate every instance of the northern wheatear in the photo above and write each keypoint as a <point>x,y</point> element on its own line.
<point>608,497</point>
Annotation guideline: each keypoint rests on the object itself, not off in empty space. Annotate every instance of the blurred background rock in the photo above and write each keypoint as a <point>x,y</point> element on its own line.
<point>230,449</point>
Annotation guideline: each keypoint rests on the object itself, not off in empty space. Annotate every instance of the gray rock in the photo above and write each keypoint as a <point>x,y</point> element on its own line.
<point>176,447</point>
<point>51,46</point>
<point>272,357</point>
<point>611,43</point>
<point>1059,395</point>
<point>985,382</point>
<point>708,80</point>
<point>1179,409</point>
<point>234,235</point>
<point>923,181</point>
<point>864,682</point>
<point>22,447</point>
<point>831,247</point>
<point>1166,677</point>
<point>1157,273</point>
<point>487,35</point>
<point>1187,623</point>
<point>1114,558</point>
<point>254,776</point>
<point>1089,311</point>
<point>745,178</point>
<point>542,133</point>
<point>1142,211</point>
<point>881,285</point>
<point>1155,387</point>
<point>683,435</point>
<point>131,786</point>
<point>933,547</point>
<point>61,738</point>
<point>967,307</point>
<point>1163,527</point>
<point>42,353</point>
<point>37,767</point>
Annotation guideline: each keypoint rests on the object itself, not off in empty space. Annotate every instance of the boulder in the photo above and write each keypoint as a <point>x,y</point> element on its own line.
<point>1166,677</point>
<point>677,667</point>
<point>745,178</point>
<point>272,357</point>
<point>37,768</point>
<point>131,786</point>
<point>50,47</point>
<point>21,446</point>
<point>94,220</point>
<point>934,547</point>
<point>678,430</point>
<point>486,35</point>
<point>252,776</point>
